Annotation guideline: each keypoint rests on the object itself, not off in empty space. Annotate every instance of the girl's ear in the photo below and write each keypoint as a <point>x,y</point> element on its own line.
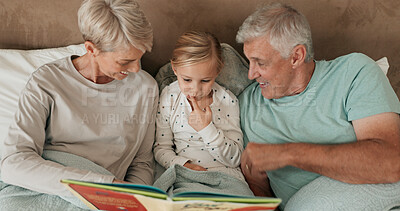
<point>173,68</point>
<point>220,69</point>
<point>91,48</point>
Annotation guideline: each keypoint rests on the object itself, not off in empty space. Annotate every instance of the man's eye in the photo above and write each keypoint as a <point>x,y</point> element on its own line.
<point>260,64</point>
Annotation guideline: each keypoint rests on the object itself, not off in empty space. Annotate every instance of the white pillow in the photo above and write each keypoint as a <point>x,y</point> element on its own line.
<point>15,69</point>
<point>383,64</point>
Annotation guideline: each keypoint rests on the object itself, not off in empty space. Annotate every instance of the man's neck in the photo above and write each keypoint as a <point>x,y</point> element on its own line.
<point>305,74</point>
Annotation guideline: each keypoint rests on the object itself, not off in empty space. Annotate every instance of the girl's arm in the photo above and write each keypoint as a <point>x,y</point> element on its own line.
<point>223,137</point>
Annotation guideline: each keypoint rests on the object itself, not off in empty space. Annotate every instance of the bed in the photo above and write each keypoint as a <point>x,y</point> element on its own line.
<point>35,32</point>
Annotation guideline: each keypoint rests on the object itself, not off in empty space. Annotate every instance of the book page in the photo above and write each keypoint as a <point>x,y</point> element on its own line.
<point>219,197</point>
<point>220,206</point>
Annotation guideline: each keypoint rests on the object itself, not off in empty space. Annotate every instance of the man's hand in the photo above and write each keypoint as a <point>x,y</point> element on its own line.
<point>259,184</point>
<point>194,166</point>
<point>199,118</point>
<point>258,158</point>
<point>253,165</point>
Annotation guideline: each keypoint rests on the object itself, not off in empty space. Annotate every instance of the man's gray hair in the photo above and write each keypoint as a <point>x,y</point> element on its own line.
<point>115,24</point>
<point>284,26</point>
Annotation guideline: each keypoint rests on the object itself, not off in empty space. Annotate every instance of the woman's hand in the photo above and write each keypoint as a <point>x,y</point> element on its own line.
<point>120,181</point>
<point>199,118</point>
<point>194,166</point>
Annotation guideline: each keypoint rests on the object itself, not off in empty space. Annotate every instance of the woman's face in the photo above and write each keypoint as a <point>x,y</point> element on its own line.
<point>197,80</point>
<point>118,64</point>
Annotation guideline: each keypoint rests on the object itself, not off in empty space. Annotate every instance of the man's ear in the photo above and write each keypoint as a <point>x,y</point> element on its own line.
<point>91,48</point>
<point>298,55</point>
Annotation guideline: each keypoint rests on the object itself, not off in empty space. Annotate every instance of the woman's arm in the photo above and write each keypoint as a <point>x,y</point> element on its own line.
<point>22,164</point>
<point>141,169</point>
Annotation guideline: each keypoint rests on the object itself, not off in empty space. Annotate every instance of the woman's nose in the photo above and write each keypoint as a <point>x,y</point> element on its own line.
<point>134,68</point>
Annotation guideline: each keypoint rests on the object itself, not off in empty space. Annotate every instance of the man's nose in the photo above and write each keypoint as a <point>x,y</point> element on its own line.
<point>253,73</point>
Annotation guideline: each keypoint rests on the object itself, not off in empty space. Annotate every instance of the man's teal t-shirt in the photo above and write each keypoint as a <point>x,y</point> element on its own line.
<point>342,90</point>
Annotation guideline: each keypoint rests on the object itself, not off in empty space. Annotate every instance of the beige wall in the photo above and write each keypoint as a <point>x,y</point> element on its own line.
<point>338,27</point>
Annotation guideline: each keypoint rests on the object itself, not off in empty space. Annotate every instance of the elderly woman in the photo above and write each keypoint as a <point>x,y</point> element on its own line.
<point>99,106</point>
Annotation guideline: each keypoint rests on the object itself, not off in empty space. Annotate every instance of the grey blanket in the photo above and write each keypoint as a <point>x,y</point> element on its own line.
<point>177,179</point>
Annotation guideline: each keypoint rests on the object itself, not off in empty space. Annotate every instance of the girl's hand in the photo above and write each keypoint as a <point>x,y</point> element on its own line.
<point>199,118</point>
<point>194,166</point>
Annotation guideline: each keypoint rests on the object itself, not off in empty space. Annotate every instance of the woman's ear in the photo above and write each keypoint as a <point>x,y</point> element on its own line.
<point>91,48</point>
<point>298,55</point>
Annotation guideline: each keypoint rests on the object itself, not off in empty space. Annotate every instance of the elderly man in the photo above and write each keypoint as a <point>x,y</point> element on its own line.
<point>305,118</point>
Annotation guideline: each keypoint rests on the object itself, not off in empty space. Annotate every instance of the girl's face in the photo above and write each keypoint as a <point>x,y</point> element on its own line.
<point>196,80</point>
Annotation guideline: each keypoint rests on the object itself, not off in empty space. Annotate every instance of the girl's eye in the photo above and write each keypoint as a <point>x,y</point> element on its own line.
<point>187,80</point>
<point>205,81</point>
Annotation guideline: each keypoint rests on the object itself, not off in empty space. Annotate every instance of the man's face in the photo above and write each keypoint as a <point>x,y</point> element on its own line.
<point>273,73</point>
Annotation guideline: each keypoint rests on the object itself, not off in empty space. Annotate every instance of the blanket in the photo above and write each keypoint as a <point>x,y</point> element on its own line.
<point>327,194</point>
<point>18,198</point>
<point>177,179</point>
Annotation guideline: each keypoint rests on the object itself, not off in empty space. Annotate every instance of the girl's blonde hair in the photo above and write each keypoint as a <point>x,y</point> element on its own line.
<point>115,24</point>
<point>194,47</point>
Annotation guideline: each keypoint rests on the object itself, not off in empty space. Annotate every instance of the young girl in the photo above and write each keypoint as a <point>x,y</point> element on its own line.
<point>198,122</point>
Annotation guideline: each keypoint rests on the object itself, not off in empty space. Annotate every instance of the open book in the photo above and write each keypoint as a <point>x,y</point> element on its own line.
<point>111,196</point>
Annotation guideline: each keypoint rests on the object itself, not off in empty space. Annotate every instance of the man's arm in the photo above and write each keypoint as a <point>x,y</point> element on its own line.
<point>373,158</point>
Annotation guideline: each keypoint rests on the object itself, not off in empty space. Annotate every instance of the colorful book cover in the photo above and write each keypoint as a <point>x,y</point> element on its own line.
<point>110,196</point>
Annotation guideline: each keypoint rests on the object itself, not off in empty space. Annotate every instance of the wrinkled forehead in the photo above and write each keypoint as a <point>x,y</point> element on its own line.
<point>258,48</point>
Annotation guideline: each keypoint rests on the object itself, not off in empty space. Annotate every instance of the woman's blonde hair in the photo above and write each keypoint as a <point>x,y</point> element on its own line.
<point>194,47</point>
<point>115,24</point>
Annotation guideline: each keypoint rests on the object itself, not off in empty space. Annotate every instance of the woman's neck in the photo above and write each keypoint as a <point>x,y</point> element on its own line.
<point>90,70</point>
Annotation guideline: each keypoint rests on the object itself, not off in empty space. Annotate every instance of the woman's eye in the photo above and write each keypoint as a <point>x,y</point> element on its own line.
<point>124,64</point>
